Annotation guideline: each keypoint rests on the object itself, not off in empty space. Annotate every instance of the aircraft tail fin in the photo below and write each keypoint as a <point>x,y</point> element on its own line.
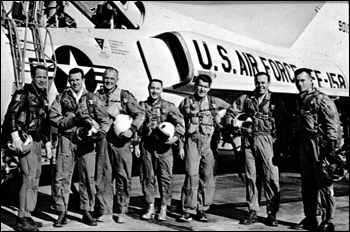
<point>327,33</point>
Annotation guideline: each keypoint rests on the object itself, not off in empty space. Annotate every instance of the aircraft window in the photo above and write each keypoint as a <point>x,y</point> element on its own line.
<point>180,54</point>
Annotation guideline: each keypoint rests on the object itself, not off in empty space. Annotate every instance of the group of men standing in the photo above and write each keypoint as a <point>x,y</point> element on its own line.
<point>87,139</point>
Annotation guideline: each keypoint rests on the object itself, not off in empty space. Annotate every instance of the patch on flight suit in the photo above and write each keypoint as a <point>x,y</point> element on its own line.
<point>18,97</point>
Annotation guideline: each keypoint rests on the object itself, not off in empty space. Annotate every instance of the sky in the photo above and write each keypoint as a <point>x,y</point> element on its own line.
<point>252,18</point>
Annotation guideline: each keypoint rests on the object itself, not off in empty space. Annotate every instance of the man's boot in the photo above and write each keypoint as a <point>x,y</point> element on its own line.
<point>34,223</point>
<point>162,213</point>
<point>61,220</point>
<point>308,223</point>
<point>121,218</point>
<point>271,220</point>
<point>23,224</point>
<point>272,209</point>
<point>87,219</point>
<point>326,226</point>
<point>251,218</point>
<point>150,212</point>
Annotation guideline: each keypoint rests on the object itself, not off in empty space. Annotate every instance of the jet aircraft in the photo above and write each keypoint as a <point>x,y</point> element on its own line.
<point>144,42</point>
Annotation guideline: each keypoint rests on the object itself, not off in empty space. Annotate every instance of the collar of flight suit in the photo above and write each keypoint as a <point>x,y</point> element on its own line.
<point>152,102</point>
<point>33,89</point>
<point>76,96</point>
<point>312,91</point>
<point>267,96</point>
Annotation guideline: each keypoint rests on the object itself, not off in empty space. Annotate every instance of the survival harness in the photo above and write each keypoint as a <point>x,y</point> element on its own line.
<point>155,115</point>
<point>262,116</point>
<point>121,100</point>
<point>193,111</point>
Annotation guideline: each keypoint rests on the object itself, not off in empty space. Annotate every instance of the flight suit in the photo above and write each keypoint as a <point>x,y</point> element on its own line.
<point>259,146</point>
<point>199,185</point>
<point>114,154</point>
<point>157,157</point>
<point>71,149</point>
<point>28,112</point>
<point>318,129</point>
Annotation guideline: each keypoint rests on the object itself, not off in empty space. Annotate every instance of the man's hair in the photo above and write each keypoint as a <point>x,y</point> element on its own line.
<point>155,80</point>
<point>301,70</point>
<point>40,66</point>
<point>76,70</point>
<point>261,74</point>
<point>204,78</point>
<point>110,69</point>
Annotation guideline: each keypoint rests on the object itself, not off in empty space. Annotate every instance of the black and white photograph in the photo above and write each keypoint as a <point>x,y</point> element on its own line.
<point>175,115</point>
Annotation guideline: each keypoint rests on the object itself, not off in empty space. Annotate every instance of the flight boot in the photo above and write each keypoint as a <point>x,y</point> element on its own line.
<point>162,213</point>
<point>23,224</point>
<point>61,220</point>
<point>150,212</point>
<point>88,220</point>
<point>34,223</point>
<point>251,218</point>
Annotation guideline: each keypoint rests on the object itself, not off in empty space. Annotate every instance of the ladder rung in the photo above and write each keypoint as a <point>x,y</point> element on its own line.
<point>34,63</point>
<point>31,50</point>
<point>30,42</point>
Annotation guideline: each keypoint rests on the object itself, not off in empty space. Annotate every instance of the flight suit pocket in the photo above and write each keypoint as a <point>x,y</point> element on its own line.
<point>192,128</point>
<point>206,129</point>
<point>206,118</point>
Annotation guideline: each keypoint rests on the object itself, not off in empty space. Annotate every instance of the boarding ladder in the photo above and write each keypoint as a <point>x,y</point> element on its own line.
<point>32,11</point>
<point>131,13</point>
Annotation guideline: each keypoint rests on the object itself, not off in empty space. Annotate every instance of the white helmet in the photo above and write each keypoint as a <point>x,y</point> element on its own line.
<point>242,121</point>
<point>27,144</point>
<point>121,123</point>
<point>164,131</point>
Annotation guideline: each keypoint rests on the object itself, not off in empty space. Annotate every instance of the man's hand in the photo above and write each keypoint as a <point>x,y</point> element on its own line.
<point>48,149</point>
<point>16,141</point>
<point>98,136</point>
<point>82,114</point>
<point>126,134</point>
<point>172,140</point>
<point>181,152</point>
<point>137,151</point>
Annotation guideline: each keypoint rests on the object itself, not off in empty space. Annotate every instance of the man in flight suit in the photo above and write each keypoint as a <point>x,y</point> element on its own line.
<point>267,114</point>
<point>156,154</point>
<point>318,129</point>
<point>28,113</point>
<point>113,153</point>
<point>81,120</point>
<point>200,111</point>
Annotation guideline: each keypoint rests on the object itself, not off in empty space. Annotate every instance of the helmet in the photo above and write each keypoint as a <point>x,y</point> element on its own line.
<point>164,131</point>
<point>121,123</point>
<point>27,144</point>
<point>242,121</point>
<point>87,128</point>
<point>333,167</point>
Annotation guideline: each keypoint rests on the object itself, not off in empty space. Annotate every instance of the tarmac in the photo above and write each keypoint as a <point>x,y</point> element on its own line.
<point>228,208</point>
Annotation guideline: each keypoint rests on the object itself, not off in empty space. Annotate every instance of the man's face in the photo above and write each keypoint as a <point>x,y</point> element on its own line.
<point>262,84</point>
<point>155,89</point>
<point>202,88</point>
<point>110,79</point>
<point>76,81</point>
<point>40,78</point>
<point>303,82</point>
